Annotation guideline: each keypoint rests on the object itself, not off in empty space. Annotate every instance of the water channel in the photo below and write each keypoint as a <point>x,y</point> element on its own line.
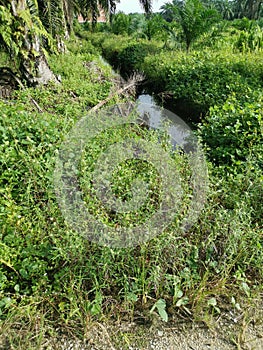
<point>159,112</point>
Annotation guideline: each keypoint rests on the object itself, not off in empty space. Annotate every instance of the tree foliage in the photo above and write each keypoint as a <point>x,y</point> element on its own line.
<point>22,36</point>
<point>29,27</point>
<point>229,9</point>
<point>193,17</point>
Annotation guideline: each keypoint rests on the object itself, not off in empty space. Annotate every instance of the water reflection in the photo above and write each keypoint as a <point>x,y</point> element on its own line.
<point>157,118</point>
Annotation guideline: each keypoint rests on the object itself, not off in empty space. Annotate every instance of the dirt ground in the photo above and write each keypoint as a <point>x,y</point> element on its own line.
<point>225,334</point>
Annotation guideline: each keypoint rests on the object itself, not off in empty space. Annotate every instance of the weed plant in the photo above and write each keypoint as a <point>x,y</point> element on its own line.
<point>52,279</point>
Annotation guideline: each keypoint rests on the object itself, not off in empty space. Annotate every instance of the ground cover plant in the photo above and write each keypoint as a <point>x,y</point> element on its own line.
<point>52,280</point>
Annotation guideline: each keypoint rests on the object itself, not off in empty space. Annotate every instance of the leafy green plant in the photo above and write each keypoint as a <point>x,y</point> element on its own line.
<point>205,78</point>
<point>128,56</point>
<point>250,40</point>
<point>160,305</point>
<point>131,58</point>
<point>120,23</point>
<point>233,131</point>
<point>195,19</point>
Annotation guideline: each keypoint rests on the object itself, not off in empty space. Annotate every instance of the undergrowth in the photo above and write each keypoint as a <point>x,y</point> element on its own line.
<point>52,278</point>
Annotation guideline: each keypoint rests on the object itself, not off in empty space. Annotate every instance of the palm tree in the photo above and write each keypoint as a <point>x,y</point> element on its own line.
<point>121,23</point>
<point>169,10</point>
<point>91,7</point>
<point>28,26</point>
<point>194,19</point>
<point>224,7</point>
<point>247,8</point>
<point>252,8</point>
<point>147,5</point>
<point>22,35</point>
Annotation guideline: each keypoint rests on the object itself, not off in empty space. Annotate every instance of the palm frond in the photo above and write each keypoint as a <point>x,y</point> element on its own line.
<point>147,5</point>
<point>51,14</point>
<point>33,7</point>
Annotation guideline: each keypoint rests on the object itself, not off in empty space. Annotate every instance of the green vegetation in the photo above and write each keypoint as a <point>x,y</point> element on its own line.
<point>194,18</point>
<point>31,28</point>
<point>51,278</point>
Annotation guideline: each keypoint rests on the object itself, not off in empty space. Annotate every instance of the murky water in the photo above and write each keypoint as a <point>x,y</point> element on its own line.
<point>158,117</point>
<point>180,131</point>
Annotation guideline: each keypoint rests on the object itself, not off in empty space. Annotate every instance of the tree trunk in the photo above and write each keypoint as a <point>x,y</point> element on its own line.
<point>249,9</point>
<point>253,8</point>
<point>35,69</point>
<point>37,73</point>
<point>33,65</point>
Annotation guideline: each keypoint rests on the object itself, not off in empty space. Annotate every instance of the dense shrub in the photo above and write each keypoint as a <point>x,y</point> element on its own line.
<point>125,53</point>
<point>41,256</point>
<point>30,221</point>
<point>132,57</point>
<point>250,38</point>
<point>233,132</point>
<point>204,78</point>
<point>232,135</point>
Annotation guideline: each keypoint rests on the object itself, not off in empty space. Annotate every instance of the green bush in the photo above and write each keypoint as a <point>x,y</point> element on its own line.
<point>232,135</point>
<point>31,223</point>
<point>111,46</point>
<point>84,75</point>
<point>204,78</point>
<point>123,53</point>
<point>199,78</point>
<point>233,132</point>
<point>250,40</point>
<point>132,57</point>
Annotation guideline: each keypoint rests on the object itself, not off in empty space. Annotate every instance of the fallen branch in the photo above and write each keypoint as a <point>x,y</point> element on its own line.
<point>31,98</point>
<point>120,91</point>
<point>36,104</point>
